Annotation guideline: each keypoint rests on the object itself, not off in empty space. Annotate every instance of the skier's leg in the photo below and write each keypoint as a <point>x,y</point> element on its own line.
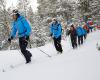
<point>26,53</point>
<point>75,41</point>
<point>29,54</point>
<point>79,40</point>
<point>59,44</point>
<point>55,43</point>
<point>85,36</point>
<point>72,42</point>
<point>25,46</point>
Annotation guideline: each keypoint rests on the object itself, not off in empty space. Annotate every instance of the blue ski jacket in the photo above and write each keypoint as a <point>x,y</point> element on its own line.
<point>56,29</point>
<point>21,26</point>
<point>80,31</point>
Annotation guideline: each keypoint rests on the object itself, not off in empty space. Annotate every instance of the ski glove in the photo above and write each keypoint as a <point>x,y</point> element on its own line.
<point>27,38</point>
<point>9,39</point>
<point>51,35</point>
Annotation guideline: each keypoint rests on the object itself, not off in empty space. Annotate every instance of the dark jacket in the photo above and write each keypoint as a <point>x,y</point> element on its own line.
<point>72,33</point>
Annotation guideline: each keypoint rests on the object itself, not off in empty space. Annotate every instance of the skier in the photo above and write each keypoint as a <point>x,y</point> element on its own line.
<point>90,24</point>
<point>80,33</point>
<point>73,36</point>
<point>56,33</point>
<point>86,29</point>
<point>21,26</point>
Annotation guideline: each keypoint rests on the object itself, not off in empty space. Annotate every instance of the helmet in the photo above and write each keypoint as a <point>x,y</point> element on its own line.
<point>14,12</point>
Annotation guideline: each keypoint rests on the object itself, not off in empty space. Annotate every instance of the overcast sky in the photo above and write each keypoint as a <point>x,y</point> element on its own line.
<point>14,2</point>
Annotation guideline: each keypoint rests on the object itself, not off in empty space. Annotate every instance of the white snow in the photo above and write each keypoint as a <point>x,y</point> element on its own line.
<point>80,64</point>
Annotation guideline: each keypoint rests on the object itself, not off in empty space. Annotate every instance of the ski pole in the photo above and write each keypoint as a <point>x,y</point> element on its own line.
<point>44,52</point>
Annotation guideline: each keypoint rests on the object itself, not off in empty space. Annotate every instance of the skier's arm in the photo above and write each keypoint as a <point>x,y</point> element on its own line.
<point>51,30</point>
<point>75,33</point>
<point>14,30</point>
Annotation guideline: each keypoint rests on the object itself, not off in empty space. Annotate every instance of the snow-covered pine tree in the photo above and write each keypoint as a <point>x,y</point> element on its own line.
<point>4,24</point>
<point>23,6</point>
<point>54,8</point>
<point>91,7</point>
<point>47,9</point>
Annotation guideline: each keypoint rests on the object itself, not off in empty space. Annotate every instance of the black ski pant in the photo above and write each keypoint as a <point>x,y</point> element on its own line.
<point>85,36</point>
<point>74,41</point>
<point>23,44</point>
<point>57,44</point>
<point>80,40</point>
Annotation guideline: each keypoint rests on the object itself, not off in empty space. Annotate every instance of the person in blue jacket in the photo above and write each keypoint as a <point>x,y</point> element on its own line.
<point>80,33</point>
<point>56,33</point>
<point>21,26</point>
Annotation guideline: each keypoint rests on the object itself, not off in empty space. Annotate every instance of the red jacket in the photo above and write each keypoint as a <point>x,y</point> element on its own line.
<point>90,23</point>
<point>85,27</point>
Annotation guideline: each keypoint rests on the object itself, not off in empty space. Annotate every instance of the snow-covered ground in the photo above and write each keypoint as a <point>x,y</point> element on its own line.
<point>80,64</point>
